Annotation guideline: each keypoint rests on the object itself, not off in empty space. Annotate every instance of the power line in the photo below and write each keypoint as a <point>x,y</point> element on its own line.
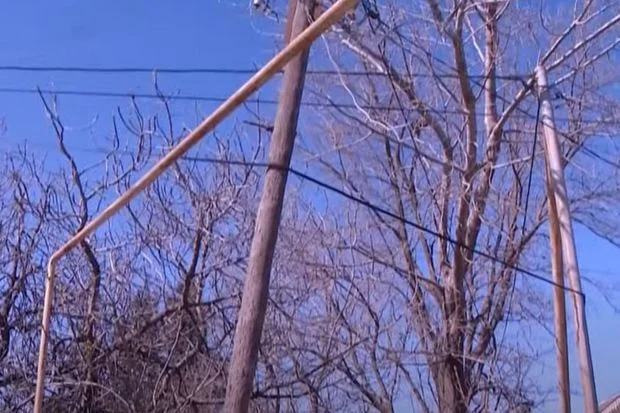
<point>383,211</point>
<point>529,180</point>
<point>513,286</point>
<point>224,71</point>
<point>373,207</point>
<point>202,98</point>
<point>216,99</point>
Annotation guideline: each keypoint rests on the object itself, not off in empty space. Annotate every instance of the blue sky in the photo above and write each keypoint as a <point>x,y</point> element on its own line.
<point>596,261</point>
<point>206,33</point>
<point>120,33</point>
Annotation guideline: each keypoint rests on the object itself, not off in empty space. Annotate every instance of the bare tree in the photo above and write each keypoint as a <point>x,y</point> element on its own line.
<point>432,117</point>
<point>145,310</point>
<point>378,302</point>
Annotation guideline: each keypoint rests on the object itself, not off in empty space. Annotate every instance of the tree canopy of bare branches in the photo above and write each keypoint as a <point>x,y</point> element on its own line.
<point>428,112</point>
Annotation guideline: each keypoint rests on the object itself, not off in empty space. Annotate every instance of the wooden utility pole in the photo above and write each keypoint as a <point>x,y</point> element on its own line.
<point>558,186</point>
<point>256,289</point>
<point>559,301</point>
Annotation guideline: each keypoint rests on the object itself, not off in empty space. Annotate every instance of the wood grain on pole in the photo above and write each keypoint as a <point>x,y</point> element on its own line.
<point>559,301</point>
<point>569,253</point>
<point>296,45</point>
<point>256,288</point>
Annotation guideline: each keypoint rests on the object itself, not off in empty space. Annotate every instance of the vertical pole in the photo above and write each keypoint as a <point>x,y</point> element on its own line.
<point>256,289</point>
<point>558,186</point>
<point>559,301</point>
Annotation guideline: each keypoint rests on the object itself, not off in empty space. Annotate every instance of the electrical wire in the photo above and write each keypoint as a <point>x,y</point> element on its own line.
<point>222,71</point>
<point>373,207</point>
<point>216,99</point>
<point>513,285</point>
<point>293,171</point>
<point>382,211</point>
<point>529,180</point>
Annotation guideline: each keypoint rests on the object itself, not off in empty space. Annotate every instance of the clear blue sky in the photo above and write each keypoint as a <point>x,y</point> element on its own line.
<point>207,33</point>
<point>122,33</point>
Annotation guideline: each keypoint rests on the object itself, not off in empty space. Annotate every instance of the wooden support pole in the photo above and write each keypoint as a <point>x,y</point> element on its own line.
<point>569,253</point>
<point>256,288</point>
<point>559,301</point>
<point>299,43</point>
